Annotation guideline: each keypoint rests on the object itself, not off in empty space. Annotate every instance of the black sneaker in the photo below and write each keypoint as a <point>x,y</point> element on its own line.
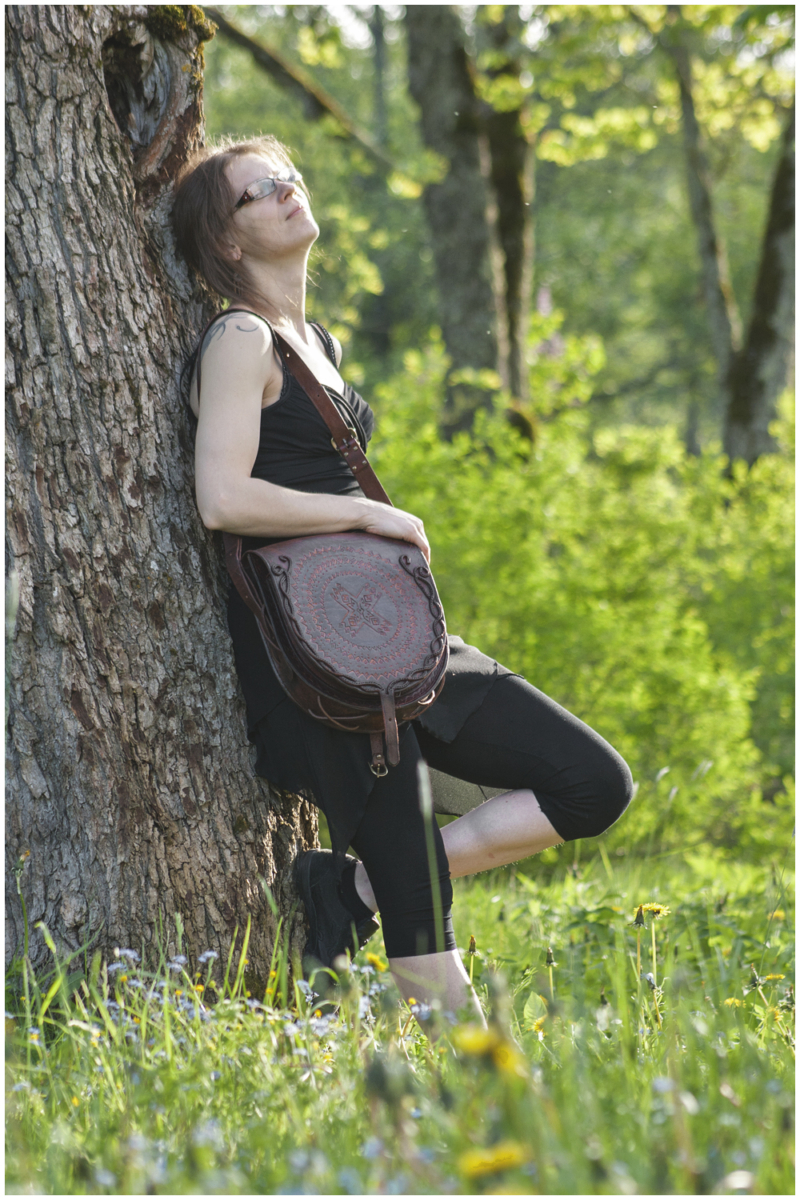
<point>333,931</point>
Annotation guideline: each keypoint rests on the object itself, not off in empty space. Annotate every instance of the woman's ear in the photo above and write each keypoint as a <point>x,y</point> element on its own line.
<point>232,251</point>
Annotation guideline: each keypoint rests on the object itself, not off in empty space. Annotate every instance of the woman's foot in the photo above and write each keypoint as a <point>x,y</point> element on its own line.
<point>333,930</point>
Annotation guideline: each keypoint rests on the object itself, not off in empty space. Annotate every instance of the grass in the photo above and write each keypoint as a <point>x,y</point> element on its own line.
<point>589,1079</point>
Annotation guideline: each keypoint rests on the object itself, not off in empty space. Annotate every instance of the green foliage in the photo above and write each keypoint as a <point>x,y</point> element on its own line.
<point>626,579</point>
<point>613,234</point>
<point>587,1081</point>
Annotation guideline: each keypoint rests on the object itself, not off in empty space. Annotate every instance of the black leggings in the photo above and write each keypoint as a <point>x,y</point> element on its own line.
<point>518,738</point>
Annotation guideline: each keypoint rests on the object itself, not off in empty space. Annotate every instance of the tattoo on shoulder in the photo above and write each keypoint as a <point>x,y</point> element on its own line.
<point>240,321</point>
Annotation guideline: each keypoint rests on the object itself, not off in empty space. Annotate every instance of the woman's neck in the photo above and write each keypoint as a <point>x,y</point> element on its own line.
<point>282,286</point>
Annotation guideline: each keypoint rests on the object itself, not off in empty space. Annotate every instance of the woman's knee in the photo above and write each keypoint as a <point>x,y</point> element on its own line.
<point>595,801</point>
<point>613,787</point>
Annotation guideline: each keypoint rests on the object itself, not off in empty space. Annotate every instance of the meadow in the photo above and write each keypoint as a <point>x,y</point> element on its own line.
<point>640,1041</point>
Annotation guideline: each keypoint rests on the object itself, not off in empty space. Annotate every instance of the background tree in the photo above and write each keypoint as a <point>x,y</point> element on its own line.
<point>590,97</point>
<point>129,775</point>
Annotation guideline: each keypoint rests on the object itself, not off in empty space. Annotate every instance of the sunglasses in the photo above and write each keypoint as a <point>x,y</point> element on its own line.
<point>265,187</point>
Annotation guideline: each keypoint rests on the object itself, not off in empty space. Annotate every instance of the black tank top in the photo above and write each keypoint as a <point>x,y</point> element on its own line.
<point>295,448</point>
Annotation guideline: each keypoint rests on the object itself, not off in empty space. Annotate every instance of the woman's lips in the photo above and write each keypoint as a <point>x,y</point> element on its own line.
<point>295,210</point>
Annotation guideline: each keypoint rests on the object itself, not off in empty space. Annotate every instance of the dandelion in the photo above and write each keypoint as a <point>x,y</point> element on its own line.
<point>474,1039</point>
<point>656,911</point>
<point>500,1157</point>
<point>638,922</point>
<point>777,915</point>
<point>506,1059</point>
<point>472,951</point>
<point>733,1002</point>
<point>377,962</point>
<point>538,1027</point>
<point>550,962</point>
<point>123,978</point>
<point>75,1101</point>
<point>772,977</point>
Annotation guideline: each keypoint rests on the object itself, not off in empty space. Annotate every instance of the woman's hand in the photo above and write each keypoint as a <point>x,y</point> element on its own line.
<point>394,523</point>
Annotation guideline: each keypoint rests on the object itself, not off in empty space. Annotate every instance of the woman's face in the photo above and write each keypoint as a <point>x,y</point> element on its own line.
<point>273,226</point>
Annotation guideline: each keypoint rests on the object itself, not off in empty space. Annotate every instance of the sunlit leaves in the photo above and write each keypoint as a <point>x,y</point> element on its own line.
<point>582,138</point>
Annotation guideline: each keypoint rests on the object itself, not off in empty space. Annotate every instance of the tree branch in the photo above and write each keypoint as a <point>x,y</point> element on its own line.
<point>294,79</point>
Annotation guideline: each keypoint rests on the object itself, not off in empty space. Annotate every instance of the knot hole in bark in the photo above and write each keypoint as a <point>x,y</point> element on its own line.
<point>137,74</point>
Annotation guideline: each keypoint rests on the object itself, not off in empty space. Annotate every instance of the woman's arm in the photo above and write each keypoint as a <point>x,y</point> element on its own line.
<point>239,369</point>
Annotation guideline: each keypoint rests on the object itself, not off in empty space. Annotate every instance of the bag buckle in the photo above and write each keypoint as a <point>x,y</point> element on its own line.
<point>353,438</point>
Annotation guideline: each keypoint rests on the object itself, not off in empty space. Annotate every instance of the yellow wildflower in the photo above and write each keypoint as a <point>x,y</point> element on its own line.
<point>777,915</point>
<point>376,961</point>
<point>179,992</point>
<point>75,1101</point>
<point>766,977</point>
<point>538,1026</point>
<point>501,1157</point>
<point>474,1039</point>
<point>658,910</point>
<point>507,1060</point>
<point>123,978</point>
<point>639,918</point>
<point>732,1002</point>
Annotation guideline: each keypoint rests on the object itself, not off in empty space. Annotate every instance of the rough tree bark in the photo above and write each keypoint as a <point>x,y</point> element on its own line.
<point>759,371</point>
<point>129,774</point>
<point>440,81</point>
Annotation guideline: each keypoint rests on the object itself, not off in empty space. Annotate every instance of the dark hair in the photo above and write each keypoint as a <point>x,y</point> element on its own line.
<point>202,212</point>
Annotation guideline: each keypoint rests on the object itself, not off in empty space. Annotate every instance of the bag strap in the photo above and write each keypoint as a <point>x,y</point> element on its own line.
<point>343,439</point>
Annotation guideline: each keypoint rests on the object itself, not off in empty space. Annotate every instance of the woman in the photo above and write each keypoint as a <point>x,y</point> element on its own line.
<point>265,469</point>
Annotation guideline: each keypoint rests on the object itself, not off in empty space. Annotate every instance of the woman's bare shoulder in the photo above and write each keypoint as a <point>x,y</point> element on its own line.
<point>223,333</point>
<point>237,346</point>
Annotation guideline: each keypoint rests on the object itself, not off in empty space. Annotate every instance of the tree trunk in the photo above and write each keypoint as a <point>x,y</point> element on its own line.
<point>759,371</point>
<point>129,772</point>
<point>723,316</point>
<point>511,175</point>
<point>441,83</point>
<point>376,28</point>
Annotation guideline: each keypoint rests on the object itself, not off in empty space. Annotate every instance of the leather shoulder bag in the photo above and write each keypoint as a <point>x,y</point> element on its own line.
<point>351,622</point>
